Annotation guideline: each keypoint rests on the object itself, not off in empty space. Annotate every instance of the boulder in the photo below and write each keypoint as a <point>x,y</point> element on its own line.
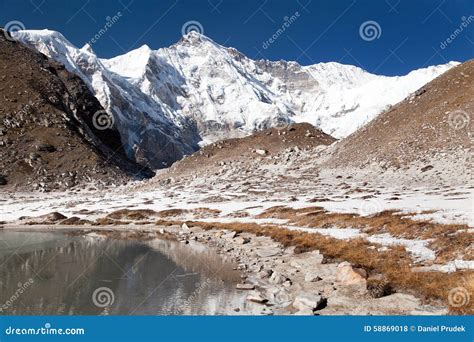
<point>242,240</point>
<point>277,278</point>
<point>296,264</point>
<point>308,301</point>
<point>53,217</point>
<point>230,235</point>
<point>267,252</point>
<point>348,275</point>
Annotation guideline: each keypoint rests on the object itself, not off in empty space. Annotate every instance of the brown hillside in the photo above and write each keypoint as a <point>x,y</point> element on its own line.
<point>47,139</point>
<point>246,150</point>
<point>434,121</point>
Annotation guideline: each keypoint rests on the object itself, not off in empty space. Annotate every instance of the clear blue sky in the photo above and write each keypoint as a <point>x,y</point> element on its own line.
<point>412,31</point>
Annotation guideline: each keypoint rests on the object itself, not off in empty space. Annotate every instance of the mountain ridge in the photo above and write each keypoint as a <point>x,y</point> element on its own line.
<point>47,133</point>
<point>196,92</point>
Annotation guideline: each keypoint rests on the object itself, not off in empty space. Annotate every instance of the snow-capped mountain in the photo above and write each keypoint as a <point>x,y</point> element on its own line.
<point>168,102</point>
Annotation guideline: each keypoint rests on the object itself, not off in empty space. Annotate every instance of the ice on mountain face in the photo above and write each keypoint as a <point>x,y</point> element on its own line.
<point>170,101</point>
<point>146,127</point>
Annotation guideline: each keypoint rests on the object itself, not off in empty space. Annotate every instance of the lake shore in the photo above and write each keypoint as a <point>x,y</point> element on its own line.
<point>278,280</point>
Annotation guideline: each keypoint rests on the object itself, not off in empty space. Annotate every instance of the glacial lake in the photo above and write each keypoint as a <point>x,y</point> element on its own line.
<point>56,273</point>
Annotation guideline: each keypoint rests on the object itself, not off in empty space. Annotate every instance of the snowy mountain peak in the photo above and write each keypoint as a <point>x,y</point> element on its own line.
<point>132,64</point>
<point>195,37</point>
<point>46,38</point>
<point>168,102</point>
<point>88,49</point>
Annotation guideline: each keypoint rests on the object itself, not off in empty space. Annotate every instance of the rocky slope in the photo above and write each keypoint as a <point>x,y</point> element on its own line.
<point>429,134</point>
<point>48,139</point>
<point>273,145</point>
<point>197,92</point>
<point>424,140</point>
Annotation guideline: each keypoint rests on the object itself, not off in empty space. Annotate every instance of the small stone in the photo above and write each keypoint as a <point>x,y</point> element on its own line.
<point>45,148</point>
<point>245,287</point>
<point>256,297</point>
<point>312,277</point>
<point>34,156</point>
<point>426,168</point>
<point>266,311</point>
<point>264,274</point>
<point>261,152</point>
<point>241,267</point>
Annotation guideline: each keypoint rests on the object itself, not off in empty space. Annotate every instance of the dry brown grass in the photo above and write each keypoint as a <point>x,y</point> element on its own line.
<point>394,264</point>
<point>146,214</point>
<point>205,212</point>
<point>132,214</point>
<point>172,212</point>
<point>105,221</point>
<point>451,241</point>
<point>74,220</point>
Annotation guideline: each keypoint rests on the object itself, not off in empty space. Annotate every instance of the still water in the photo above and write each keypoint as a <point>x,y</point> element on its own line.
<point>55,273</point>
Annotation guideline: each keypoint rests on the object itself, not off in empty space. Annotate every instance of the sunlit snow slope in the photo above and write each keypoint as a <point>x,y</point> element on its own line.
<point>168,102</point>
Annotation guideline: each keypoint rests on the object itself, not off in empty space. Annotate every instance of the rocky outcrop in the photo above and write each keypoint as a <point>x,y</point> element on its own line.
<point>50,136</point>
